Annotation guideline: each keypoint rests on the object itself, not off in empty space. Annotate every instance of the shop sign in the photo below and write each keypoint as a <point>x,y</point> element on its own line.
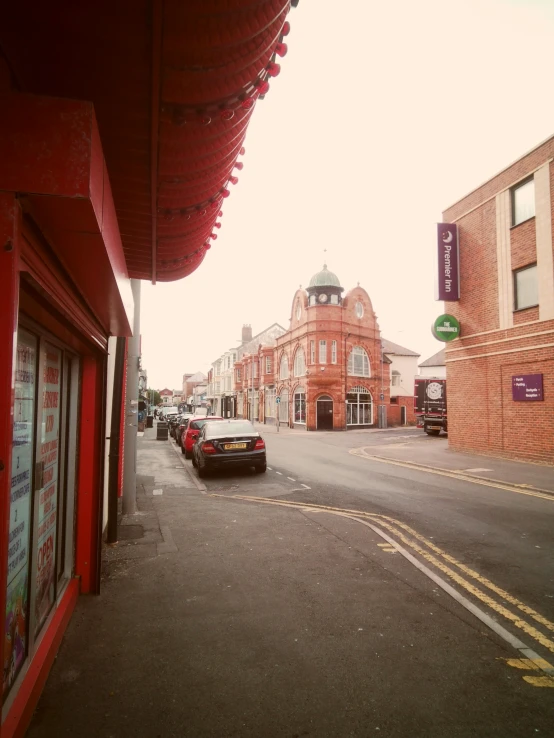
<point>446,328</point>
<point>527,388</point>
<point>448,252</point>
<point>15,633</point>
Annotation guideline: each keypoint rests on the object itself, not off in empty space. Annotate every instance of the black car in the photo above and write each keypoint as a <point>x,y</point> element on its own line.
<point>228,443</point>
<point>173,422</point>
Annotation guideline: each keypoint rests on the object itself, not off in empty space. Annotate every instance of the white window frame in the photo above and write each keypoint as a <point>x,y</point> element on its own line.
<point>239,374</point>
<point>299,362</point>
<point>300,393</point>
<point>268,364</point>
<point>323,352</point>
<point>255,369</point>
<point>312,352</point>
<point>396,378</point>
<point>534,300</point>
<point>358,352</point>
<point>525,210</point>
<point>333,352</point>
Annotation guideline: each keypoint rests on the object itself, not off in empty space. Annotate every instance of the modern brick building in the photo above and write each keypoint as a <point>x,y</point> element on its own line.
<point>331,370</point>
<point>500,372</point>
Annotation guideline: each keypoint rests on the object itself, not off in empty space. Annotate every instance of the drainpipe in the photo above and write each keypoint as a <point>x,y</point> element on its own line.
<point>131,410</point>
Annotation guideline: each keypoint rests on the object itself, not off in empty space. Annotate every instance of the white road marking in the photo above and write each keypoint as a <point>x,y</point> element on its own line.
<point>269,468</point>
<point>157,491</point>
<point>291,479</point>
<point>305,486</point>
<point>281,473</point>
<point>478,469</point>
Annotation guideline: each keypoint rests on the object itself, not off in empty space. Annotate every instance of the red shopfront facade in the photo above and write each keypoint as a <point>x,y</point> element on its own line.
<point>59,302</point>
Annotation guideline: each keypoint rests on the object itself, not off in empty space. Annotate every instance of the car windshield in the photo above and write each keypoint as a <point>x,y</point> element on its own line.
<point>232,427</point>
<point>197,424</point>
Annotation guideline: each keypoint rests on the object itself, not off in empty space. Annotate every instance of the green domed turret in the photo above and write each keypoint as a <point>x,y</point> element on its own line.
<point>324,288</point>
<point>324,278</point>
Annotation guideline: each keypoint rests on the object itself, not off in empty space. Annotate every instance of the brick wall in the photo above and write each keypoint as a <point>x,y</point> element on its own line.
<point>482,415</point>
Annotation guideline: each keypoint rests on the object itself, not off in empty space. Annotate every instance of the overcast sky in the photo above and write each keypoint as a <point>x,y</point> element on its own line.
<point>384,114</point>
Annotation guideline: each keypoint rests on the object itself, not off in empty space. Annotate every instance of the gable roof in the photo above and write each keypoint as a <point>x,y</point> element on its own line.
<point>437,359</point>
<point>394,348</point>
<point>198,377</point>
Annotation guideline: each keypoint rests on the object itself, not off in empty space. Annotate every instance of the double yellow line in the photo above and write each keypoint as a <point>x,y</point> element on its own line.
<point>528,491</point>
<point>468,579</point>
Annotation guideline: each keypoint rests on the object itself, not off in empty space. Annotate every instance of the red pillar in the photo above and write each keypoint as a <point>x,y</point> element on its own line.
<point>90,475</point>
<point>10,222</point>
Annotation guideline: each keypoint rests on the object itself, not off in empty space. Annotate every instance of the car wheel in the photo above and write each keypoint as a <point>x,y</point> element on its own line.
<point>261,468</point>
<point>201,472</point>
<point>187,453</point>
<point>195,465</point>
<point>183,451</point>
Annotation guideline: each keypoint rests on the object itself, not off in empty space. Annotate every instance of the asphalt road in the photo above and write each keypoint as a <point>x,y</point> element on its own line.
<point>500,541</point>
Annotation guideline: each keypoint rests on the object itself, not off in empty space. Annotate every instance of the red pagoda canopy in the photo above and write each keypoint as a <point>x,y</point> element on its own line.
<point>174,84</point>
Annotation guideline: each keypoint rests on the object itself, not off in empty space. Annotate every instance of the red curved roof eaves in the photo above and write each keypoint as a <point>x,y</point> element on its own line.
<point>174,85</point>
<point>214,67</point>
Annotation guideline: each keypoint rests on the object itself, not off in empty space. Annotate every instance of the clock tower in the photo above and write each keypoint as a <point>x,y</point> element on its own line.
<point>324,289</point>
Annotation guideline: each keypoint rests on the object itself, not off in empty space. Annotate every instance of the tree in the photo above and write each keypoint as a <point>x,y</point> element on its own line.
<point>154,397</point>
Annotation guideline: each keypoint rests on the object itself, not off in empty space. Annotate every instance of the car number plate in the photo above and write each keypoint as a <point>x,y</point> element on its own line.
<point>233,446</point>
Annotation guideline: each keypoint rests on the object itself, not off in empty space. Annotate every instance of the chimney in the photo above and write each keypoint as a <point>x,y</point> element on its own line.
<point>246,333</point>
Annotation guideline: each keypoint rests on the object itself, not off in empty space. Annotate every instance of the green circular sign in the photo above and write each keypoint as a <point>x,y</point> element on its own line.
<point>446,328</point>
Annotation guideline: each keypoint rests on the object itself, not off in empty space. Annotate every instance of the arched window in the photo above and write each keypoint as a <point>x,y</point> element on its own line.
<point>359,407</point>
<point>299,405</point>
<point>358,363</point>
<point>299,362</point>
<point>284,368</point>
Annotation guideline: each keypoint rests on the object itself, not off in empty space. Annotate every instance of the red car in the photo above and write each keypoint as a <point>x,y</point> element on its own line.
<point>194,427</point>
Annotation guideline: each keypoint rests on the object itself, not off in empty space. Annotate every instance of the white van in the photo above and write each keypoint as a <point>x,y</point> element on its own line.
<point>165,412</point>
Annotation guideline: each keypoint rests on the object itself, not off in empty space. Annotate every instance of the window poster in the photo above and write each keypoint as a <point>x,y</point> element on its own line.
<point>49,419</point>
<point>16,631</point>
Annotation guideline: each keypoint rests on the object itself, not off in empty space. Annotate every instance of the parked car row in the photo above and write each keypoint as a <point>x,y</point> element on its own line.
<point>213,442</point>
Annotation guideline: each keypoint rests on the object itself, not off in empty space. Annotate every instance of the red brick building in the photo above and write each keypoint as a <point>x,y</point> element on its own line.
<point>500,372</point>
<point>327,372</point>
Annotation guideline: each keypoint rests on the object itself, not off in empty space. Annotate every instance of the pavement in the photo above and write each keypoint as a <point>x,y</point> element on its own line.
<point>222,617</point>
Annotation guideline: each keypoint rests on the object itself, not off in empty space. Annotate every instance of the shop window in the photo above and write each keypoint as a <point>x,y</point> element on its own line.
<point>270,402</point>
<point>526,289</point>
<point>359,407</point>
<point>358,362</point>
<point>300,406</point>
<point>44,452</point>
<point>523,201</point>
<point>299,363</point>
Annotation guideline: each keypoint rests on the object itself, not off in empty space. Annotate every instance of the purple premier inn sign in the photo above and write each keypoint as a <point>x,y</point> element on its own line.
<point>527,388</point>
<point>448,262</point>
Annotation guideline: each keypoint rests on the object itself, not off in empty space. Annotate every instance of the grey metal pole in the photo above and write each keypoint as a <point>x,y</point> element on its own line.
<point>131,410</point>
